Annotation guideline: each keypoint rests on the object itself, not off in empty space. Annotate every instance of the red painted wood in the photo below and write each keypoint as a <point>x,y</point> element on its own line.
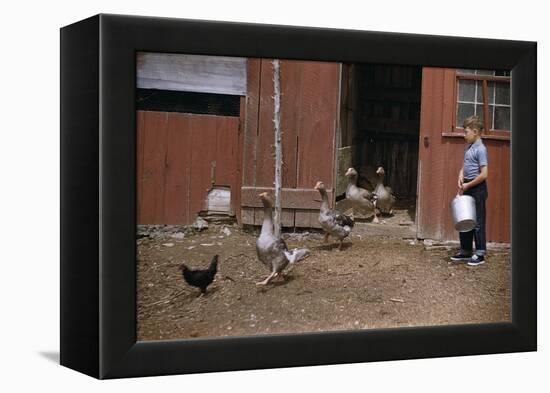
<point>309,103</point>
<point>236,193</point>
<point>152,130</point>
<point>429,199</point>
<point>440,161</point>
<point>251,122</point>
<point>140,119</point>
<point>319,97</point>
<point>291,114</point>
<point>180,157</point>
<point>177,171</point>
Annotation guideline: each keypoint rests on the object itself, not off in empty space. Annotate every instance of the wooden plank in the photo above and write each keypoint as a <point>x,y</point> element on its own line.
<point>498,203</point>
<point>302,218</point>
<point>287,218</point>
<point>154,154</point>
<point>495,203</point>
<point>316,150</point>
<point>176,170</point>
<point>140,133</point>
<point>291,110</point>
<point>227,160</point>
<point>313,219</point>
<point>195,73</point>
<point>236,192</point>
<point>250,137</point>
<point>506,192</point>
<point>292,198</point>
<point>247,215</point>
<point>431,190</point>
<point>258,215</point>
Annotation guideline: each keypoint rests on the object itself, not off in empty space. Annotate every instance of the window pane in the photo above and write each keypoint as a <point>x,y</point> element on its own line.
<point>466,89</point>
<point>464,110</point>
<point>491,92</point>
<point>485,72</point>
<point>492,117</point>
<point>465,71</point>
<point>479,111</point>
<point>502,118</point>
<point>503,93</point>
<point>502,73</point>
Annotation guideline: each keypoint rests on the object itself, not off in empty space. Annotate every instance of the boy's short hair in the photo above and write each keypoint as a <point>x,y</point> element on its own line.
<point>474,123</point>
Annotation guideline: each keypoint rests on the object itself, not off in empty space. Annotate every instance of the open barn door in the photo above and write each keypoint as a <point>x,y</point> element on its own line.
<point>309,108</point>
<point>379,127</point>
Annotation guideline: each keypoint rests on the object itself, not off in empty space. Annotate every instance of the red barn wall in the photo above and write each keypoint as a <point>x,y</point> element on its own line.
<point>180,157</point>
<point>441,157</point>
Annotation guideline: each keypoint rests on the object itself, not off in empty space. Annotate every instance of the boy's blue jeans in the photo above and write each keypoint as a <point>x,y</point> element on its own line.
<point>479,193</point>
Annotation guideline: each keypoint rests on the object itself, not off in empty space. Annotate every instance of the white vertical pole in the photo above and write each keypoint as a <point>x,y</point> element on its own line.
<point>278,146</point>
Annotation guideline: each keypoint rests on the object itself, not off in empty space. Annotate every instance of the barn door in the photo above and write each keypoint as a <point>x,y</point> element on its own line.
<point>436,165</point>
<point>309,108</point>
<point>187,164</point>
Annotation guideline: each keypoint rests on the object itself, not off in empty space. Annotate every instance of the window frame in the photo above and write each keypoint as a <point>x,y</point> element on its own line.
<point>485,79</point>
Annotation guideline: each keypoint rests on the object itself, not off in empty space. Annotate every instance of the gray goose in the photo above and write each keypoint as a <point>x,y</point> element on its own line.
<point>385,199</point>
<point>333,223</point>
<point>272,250</point>
<point>361,199</point>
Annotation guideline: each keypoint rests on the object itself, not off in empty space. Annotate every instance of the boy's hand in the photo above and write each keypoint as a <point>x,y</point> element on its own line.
<point>460,182</point>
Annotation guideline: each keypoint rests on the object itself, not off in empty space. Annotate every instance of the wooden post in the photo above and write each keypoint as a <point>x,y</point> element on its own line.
<point>278,146</point>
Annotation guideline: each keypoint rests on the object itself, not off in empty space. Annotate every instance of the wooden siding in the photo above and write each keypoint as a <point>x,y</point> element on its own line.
<point>180,157</point>
<point>399,157</point>
<point>440,159</point>
<point>309,108</point>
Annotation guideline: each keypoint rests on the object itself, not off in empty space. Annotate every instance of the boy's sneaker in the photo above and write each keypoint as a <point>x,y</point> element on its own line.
<point>461,257</point>
<point>476,260</point>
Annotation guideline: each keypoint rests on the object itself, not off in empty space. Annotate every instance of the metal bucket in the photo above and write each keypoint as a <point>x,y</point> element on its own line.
<point>463,210</point>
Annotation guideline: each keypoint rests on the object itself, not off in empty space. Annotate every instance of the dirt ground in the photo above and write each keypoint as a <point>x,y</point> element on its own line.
<point>375,282</point>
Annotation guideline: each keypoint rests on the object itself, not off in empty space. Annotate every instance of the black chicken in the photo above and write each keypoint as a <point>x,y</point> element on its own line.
<point>200,278</point>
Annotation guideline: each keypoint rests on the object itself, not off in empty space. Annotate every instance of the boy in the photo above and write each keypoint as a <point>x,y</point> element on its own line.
<point>472,181</point>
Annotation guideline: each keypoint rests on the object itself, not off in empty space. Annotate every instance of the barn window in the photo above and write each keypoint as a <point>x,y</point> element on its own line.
<point>485,93</point>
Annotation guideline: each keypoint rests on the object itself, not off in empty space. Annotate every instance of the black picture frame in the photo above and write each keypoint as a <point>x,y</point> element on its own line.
<point>98,196</point>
